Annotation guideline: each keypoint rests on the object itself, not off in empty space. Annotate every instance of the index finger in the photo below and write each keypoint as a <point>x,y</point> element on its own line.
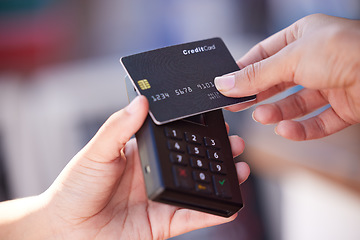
<point>271,45</point>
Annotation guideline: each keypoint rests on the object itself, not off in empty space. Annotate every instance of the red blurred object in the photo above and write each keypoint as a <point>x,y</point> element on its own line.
<point>28,42</point>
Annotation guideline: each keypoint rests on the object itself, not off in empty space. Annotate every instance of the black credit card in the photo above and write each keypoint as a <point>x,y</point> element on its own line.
<point>178,81</point>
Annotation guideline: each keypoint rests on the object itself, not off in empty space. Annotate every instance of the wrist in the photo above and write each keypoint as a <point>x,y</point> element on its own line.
<point>345,63</point>
<point>25,218</point>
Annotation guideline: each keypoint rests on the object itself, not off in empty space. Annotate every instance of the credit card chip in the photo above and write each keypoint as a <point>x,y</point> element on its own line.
<point>144,84</point>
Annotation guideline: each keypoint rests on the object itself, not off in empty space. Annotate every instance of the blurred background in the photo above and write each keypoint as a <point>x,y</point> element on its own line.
<point>60,78</point>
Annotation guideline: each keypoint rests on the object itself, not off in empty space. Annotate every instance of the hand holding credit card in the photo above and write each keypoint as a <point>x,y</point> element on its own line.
<point>178,81</point>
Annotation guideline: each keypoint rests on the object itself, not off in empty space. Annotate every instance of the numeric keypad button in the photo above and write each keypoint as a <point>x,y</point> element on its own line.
<point>176,145</point>
<point>217,168</point>
<point>193,138</point>
<point>199,163</point>
<point>196,150</point>
<point>173,133</point>
<point>215,155</point>
<point>201,176</point>
<point>178,159</point>
<point>211,142</point>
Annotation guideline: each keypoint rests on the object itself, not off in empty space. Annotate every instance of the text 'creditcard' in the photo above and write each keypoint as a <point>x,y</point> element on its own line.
<point>178,81</point>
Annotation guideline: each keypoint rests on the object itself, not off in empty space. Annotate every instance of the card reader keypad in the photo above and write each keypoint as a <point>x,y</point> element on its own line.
<point>197,163</point>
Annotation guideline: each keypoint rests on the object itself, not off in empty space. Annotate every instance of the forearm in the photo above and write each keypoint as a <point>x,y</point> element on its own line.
<point>24,218</point>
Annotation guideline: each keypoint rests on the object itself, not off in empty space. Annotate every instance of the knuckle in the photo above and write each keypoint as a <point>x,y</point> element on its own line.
<point>313,17</point>
<point>280,113</point>
<point>300,104</point>
<point>321,126</point>
<point>262,51</point>
<point>280,87</point>
<point>251,73</point>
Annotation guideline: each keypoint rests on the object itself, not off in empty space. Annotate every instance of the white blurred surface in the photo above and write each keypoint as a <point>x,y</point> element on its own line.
<point>42,117</point>
<point>314,208</point>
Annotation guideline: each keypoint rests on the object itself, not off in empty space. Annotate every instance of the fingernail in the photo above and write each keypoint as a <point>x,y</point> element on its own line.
<point>253,116</point>
<point>276,131</point>
<point>134,106</point>
<point>225,83</point>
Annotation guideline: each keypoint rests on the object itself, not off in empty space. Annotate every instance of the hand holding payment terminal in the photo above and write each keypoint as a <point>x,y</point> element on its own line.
<point>183,145</point>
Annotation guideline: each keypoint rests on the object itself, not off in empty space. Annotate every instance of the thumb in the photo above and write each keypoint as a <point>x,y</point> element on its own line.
<point>258,76</point>
<point>108,142</point>
<point>90,178</point>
